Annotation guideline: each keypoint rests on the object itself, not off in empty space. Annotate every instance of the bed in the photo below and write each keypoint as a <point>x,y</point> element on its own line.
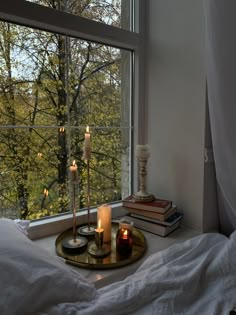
<point>197,276</point>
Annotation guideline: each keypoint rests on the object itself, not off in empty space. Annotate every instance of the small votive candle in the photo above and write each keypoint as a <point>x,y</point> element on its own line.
<point>124,241</point>
<point>99,235</point>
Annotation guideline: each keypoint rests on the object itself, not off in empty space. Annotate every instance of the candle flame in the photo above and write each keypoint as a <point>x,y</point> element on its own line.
<point>87,129</point>
<point>99,223</point>
<point>125,233</point>
<point>74,163</point>
<point>45,192</point>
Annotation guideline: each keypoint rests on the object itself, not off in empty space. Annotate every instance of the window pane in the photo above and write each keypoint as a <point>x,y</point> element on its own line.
<point>112,12</point>
<point>51,88</point>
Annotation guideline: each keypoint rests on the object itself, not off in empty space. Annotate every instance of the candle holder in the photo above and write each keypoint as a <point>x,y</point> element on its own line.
<point>88,229</point>
<point>98,249</point>
<point>124,241</point>
<point>75,242</point>
<point>143,154</point>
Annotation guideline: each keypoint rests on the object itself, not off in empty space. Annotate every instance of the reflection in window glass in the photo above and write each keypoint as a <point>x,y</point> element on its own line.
<point>111,12</point>
<point>51,88</point>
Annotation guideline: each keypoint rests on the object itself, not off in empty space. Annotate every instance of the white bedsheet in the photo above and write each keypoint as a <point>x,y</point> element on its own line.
<point>194,277</point>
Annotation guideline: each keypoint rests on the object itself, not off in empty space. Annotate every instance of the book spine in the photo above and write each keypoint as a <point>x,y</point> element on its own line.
<point>154,227</point>
<point>154,215</point>
<point>168,222</point>
<point>149,227</point>
<point>136,205</point>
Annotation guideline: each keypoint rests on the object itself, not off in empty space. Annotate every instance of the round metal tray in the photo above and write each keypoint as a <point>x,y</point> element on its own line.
<point>113,260</point>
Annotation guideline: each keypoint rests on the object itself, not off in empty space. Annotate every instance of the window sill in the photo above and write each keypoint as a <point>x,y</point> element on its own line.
<point>55,225</point>
<point>105,277</point>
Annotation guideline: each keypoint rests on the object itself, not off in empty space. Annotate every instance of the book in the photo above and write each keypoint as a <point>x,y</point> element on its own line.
<point>168,222</point>
<point>153,215</point>
<point>158,205</point>
<point>155,228</point>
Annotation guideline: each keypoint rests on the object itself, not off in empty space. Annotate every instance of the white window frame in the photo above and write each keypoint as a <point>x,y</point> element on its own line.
<point>41,17</point>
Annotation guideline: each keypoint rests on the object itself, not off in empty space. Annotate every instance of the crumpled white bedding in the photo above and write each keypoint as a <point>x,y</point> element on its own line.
<point>194,277</point>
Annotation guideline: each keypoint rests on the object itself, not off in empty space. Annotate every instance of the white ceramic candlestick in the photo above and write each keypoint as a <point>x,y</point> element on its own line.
<point>143,154</point>
<point>104,215</point>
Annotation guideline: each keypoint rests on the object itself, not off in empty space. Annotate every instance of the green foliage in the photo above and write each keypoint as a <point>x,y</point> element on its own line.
<point>40,87</point>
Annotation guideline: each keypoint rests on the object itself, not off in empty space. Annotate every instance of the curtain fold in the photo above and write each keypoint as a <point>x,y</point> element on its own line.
<point>220,22</point>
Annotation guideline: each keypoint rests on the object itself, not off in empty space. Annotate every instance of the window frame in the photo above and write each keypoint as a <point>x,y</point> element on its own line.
<point>33,15</point>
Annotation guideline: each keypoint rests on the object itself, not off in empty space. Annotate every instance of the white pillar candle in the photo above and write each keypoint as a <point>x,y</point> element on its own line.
<point>87,145</point>
<point>104,217</point>
<point>142,151</point>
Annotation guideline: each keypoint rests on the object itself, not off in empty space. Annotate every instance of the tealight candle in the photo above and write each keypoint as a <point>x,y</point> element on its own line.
<point>104,215</point>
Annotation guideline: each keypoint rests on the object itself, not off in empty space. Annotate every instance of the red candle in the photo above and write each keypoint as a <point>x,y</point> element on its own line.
<point>124,242</point>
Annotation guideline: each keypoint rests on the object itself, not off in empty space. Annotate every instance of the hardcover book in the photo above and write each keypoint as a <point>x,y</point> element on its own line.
<point>152,214</point>
<point>168,222</point>
<point>158,205</point>
<point>154,228</point>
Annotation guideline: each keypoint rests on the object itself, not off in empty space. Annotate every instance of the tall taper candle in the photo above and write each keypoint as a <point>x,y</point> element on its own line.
<point>74,173</point>
<point>104,215</point>
<point>87,145</point>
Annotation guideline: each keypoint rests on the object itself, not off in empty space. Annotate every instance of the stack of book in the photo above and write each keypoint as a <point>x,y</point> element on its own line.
<point>158,216</point>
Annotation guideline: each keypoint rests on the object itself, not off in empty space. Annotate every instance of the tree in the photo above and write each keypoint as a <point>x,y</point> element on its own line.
<point>51,80</point>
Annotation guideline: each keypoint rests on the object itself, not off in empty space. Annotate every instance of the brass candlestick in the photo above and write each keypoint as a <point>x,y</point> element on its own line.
<point>87,229</point>
<point>75,242</point>
<point>97,249</point>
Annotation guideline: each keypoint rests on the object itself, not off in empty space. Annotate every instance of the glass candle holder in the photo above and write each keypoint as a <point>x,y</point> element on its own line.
<point>124,241</point>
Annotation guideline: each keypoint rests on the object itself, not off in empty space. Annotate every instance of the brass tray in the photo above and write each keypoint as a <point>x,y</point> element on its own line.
<point>113,260</point>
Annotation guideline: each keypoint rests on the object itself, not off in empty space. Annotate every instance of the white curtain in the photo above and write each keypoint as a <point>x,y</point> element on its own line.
<point>220,18</point>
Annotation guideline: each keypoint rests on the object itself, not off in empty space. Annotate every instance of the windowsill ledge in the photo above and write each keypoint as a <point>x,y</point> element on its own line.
<point>104,277</point>
<point>54,225</point>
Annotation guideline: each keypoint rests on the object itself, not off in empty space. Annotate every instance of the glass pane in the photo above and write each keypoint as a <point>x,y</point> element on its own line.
<point>34,179</point>
<point>51,88</point>
<point>33,68</point>
<point>112,12</point>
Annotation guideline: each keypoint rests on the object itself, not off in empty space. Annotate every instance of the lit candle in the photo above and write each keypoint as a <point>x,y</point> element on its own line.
<point>87,145</point>
<point>99,229</point>
<point>74,173</point>
<point>99,232</point>
<point>45,192</point>
<point>124,242</point>
<point>142,151</point>
<point>125,234</point>
<point>104,216</point>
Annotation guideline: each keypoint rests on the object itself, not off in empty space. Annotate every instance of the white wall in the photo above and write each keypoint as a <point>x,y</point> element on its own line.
<point>175,104</point>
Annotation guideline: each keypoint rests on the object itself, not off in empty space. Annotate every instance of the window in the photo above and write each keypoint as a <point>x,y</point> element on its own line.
<point>111,12</point>
<point>60,73</point>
